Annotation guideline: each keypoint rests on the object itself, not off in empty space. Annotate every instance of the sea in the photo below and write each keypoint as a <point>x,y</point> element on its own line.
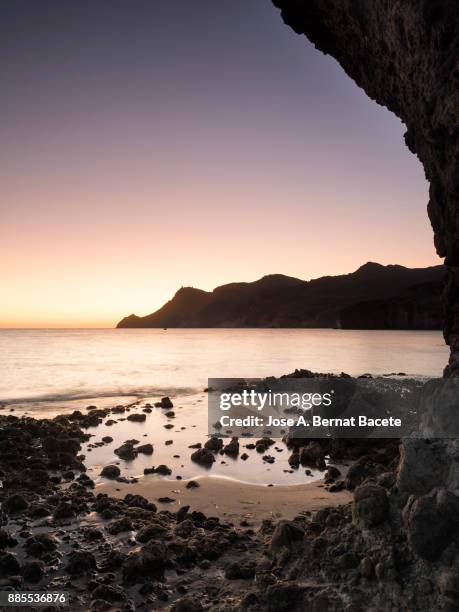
<point>45,365</point>
<point>46,372</point>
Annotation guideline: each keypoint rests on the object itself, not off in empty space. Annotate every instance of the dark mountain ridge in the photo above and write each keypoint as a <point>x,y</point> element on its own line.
<point>372,297</point>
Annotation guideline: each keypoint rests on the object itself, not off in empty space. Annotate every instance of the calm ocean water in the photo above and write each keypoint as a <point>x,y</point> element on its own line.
<point>78,364</point>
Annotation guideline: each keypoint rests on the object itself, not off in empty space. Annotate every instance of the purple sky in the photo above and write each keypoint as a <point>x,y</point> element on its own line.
<point>149,144</point>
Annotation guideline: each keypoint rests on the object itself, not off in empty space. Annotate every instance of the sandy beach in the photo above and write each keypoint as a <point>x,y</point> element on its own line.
<point>234,501</point>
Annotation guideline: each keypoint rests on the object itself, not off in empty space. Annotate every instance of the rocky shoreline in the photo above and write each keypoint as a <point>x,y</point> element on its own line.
<point>385,550</point>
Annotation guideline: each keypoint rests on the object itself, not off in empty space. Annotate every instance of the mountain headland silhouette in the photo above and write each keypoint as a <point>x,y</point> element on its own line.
<point>372,297</point>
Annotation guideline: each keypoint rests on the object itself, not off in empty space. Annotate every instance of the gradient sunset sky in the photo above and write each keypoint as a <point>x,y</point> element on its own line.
<point>149,144</point>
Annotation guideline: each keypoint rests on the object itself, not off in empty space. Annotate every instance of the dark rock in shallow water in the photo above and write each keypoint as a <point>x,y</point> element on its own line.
<point>371,505</point>
<point>126,451</point>
<point>107,439</point>
<point>146,449</point>
<point>138,417</point>
<point>232,448</point>
<point>214,444</point>
<point>84,480</point>
<point>203,457</point>
<point>312,454</point>
<point>111,471</point>
<point>138,501</point>
<point>163,470</point>
<point>192,484</point>
<point>263,444</point>
<point>119,409</point>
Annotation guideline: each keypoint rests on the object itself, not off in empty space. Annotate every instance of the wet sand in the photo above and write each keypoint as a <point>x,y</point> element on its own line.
<point>232,489</point>
<point>231,500</point>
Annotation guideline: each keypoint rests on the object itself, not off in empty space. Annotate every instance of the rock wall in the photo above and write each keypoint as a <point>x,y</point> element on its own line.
<point>405,55</point>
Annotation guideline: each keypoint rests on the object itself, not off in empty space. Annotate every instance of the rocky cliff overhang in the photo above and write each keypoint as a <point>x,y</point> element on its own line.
<point>405,55</point>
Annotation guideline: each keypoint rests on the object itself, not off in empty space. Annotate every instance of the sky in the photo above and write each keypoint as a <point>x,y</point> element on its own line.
<point>151,144</point>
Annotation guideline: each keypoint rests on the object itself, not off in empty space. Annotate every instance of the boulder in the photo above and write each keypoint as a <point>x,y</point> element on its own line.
<point>164,403</point>
<point>203,457</point>
<point>240,570</point>
<point>33,571</point>
<point>9,565</point>
<point>187,604</point>
<point>370,506</point>
<point>331,474</point>
<point>41,544</point>
<point>312,454</point>
<point>286,533</point>
<point>432,522</point>
<point>14,504</point>
<point>448,583</point>
<point>126,451</point>
<point>151,532</point>
<point>6,539</point>
<point>137,417</point>
<point>232,448</point>
<point>109,593</point>
<point>147,563</point>
<point>81,562</point>
<point>214,444</point>
<point>357,473</point>
<point>422,467</point>
<point>163,470</point>
<point>145,449</point>
<point>111,471</point>
<point>64,510</point>
<point>138,501</point>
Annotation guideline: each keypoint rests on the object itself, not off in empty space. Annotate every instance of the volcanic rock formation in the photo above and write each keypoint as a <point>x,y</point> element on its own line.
<point>405,55</point>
